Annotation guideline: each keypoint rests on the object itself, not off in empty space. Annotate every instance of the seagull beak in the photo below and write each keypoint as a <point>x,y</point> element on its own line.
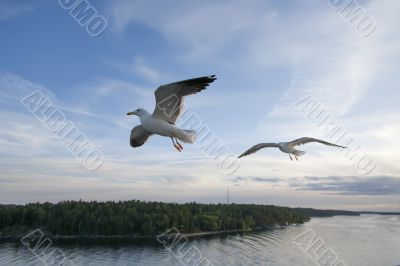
<point>131,113</point>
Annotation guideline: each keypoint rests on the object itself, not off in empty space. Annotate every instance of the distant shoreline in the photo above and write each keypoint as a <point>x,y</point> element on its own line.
<point>189,235</point>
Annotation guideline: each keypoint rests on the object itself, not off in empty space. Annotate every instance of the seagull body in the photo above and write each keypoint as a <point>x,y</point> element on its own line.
<point>160,127</point>
<point>169,105</point>
<point>288,147</point>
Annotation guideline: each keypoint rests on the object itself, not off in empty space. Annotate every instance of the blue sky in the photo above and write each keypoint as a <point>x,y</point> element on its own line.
<point>267,56</point>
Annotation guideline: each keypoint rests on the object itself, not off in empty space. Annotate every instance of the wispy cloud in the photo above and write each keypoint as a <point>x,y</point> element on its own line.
<point>184,25</point>
<point>254,179</point>
<point>348,185</point>
<point>340,72</point>
<point>139,67</point>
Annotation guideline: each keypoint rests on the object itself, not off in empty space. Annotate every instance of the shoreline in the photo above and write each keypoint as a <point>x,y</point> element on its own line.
<point>127,237</point>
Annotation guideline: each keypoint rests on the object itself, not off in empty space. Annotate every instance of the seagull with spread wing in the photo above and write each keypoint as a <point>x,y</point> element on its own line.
<point>288,147</point>
<point>169,105</point>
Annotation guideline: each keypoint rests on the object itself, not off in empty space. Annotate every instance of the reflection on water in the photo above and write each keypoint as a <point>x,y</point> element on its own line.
<point>365,240</point>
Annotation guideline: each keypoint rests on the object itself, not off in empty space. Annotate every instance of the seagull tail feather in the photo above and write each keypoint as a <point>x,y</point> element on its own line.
<point>192,135</point>
<point>188,136</point>
<point>299,153</point>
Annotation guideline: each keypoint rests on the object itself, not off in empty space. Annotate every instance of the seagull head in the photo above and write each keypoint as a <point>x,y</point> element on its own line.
<point>139,112</point>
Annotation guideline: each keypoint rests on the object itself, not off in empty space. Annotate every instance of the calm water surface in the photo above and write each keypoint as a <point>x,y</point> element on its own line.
<point>365,240</point>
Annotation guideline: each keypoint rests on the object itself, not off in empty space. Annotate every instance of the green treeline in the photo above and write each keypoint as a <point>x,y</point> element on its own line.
<point>74,218</point>
<point>326,213</point>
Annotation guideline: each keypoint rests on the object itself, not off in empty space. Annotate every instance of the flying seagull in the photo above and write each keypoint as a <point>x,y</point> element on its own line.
<point>169,105</point>
<point>288,147</point>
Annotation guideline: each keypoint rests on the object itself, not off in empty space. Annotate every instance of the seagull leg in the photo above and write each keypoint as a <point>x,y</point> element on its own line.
<point>296,158</point>
<point>176,146</point>
<point>290,157</point>
<point>179,145</point>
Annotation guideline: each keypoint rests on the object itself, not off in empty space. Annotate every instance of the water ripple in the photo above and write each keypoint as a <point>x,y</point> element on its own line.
<point>364,240</point>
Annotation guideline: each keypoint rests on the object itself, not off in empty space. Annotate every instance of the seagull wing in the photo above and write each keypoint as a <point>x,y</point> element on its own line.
<point>139,136</point>
<point>257,147</point>
<point>169,98</point>
<point>305,140</point>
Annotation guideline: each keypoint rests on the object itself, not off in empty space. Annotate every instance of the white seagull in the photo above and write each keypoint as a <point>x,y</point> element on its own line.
<point>288,147</point>
<point>169,104</point>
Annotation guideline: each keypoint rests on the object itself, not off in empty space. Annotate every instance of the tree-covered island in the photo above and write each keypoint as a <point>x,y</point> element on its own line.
<point>140,218</point>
